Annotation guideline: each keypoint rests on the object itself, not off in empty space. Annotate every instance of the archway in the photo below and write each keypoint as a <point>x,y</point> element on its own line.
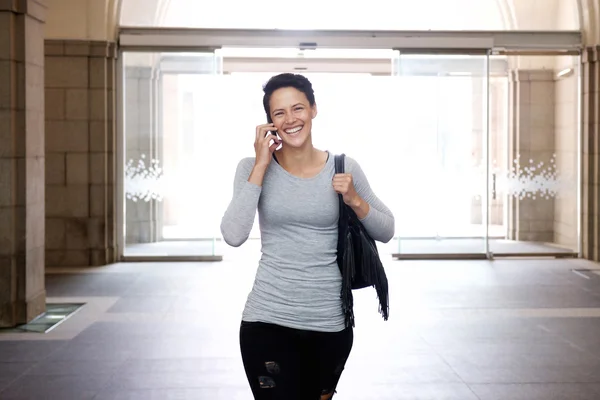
<point>381,14</point>
<point>104,18</point>
<point>489,15</point>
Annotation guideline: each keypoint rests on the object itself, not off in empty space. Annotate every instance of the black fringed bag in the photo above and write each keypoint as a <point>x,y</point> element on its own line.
<point>358,258</point>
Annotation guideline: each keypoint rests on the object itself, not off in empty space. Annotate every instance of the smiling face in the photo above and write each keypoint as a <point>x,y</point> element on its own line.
<point>292,114</point>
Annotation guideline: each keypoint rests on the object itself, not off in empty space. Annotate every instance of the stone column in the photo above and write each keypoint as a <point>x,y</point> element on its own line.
<point>566,136</point>
<point>591,154</point>
<point>22,286</point>
<point>531,149</point>
<point>80,150</point>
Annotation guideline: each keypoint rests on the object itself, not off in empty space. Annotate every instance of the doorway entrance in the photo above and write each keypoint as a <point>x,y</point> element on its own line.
<point>432,131</point>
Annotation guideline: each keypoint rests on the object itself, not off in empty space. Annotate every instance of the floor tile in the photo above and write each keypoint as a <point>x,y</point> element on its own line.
<point>177,394</point>
<point>80,387</point>
<point>32,351</point>
<point>391,391</point>
<point>458,330</point>
<point>143,304</point>
<point>10,371</point>
<point>537,391</point>
<point>75,367</point>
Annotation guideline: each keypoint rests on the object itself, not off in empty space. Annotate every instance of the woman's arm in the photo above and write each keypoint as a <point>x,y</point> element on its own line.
<point>376,217</point>
<point>238,219</point>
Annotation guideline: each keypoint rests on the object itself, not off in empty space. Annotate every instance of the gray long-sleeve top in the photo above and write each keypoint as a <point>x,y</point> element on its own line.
<point>298,281</point>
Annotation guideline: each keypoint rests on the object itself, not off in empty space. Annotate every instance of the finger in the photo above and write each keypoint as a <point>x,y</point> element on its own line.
<point>266,128</point>
<point>343,179</point>
<point>262,129</point>
<point>342,175</point>
<point>268,135</point>
<point>340,188</point>
<point>271,132</point>
<point>275,139</point>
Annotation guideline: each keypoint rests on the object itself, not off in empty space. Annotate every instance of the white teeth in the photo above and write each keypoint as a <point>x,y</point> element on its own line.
<point>294,130</point>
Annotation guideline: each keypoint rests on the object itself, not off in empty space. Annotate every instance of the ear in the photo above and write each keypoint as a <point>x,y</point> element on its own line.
<point>314,110</point>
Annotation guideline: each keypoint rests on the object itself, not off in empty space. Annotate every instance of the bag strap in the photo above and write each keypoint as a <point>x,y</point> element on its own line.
<point>339,169</point>
<point>339,163</point>
<point>346,291</point>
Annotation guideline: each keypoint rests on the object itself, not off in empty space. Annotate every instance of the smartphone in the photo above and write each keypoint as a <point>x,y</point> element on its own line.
<point>270,121</point>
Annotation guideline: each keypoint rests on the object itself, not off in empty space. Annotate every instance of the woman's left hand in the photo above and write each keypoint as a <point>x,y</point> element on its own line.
<point>344,185</point>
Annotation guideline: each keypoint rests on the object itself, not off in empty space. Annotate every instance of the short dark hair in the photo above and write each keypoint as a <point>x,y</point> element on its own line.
<point>284,80</point>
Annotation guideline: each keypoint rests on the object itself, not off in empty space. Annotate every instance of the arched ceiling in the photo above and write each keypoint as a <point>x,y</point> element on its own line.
<point>99,19</point>
<point>379,14</point>
<point>316,14</point>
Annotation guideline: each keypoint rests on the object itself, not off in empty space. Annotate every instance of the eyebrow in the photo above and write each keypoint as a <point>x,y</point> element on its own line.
<point>280,109</point>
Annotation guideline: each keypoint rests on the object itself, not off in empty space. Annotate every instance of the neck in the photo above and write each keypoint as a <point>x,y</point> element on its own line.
<point>296,158</point>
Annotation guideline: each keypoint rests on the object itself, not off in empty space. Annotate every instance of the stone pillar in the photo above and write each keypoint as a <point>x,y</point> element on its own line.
<point>22,286</point>
<point>591,154</point>
<point>80,150</point>
<point>566,136</point>
<point>531,149</point>
<point>142,148</point>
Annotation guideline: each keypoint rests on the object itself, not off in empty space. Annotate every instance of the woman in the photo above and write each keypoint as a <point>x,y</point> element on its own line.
<point>293,338</point>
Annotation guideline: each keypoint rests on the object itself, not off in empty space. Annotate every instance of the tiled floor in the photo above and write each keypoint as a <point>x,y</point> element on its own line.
<point>459,330</point>
<point>403,247</point>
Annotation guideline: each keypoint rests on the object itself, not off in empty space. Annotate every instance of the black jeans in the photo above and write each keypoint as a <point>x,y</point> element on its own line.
<point>291,364</point>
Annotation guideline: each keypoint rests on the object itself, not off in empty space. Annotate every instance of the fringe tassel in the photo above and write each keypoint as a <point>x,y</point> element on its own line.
<point>347,277</point>
<point>365,252</point>
<point>381,287</point>
<point>375,275</point>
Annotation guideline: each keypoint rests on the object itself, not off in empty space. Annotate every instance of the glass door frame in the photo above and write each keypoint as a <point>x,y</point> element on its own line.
<point>485,76</point>
<point>488,252</point>
<point>185,39</point>
<point>577,70</point>
<point>432,42</point>
<point>120,198</point>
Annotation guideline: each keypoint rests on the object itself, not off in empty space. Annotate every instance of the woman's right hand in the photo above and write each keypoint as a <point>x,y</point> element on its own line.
<point>264,150</point>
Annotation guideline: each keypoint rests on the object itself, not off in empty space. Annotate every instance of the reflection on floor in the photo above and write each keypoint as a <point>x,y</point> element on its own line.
<point>472,246</point>
<point>175,248</point>
<point>402,247</point>
<point>458,330</point>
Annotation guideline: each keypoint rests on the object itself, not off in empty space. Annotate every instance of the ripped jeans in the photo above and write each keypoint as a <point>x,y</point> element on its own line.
<point>290,364</point>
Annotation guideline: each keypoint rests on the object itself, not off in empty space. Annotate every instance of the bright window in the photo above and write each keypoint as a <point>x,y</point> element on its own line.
<point>316,14</point>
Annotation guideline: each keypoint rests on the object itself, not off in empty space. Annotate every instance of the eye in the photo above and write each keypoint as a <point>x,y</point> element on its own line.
<point>298,108</point>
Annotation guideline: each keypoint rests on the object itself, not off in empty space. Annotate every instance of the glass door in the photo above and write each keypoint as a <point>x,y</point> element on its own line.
<point>534,156</point>
<point>441,206</point>
<point>166,138</point>
<point>476,155</point>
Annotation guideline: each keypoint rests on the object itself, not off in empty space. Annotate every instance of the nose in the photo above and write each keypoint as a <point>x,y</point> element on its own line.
<point>289,118</point>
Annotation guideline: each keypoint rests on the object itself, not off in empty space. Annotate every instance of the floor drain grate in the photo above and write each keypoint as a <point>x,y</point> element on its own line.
<point>55,314</point>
